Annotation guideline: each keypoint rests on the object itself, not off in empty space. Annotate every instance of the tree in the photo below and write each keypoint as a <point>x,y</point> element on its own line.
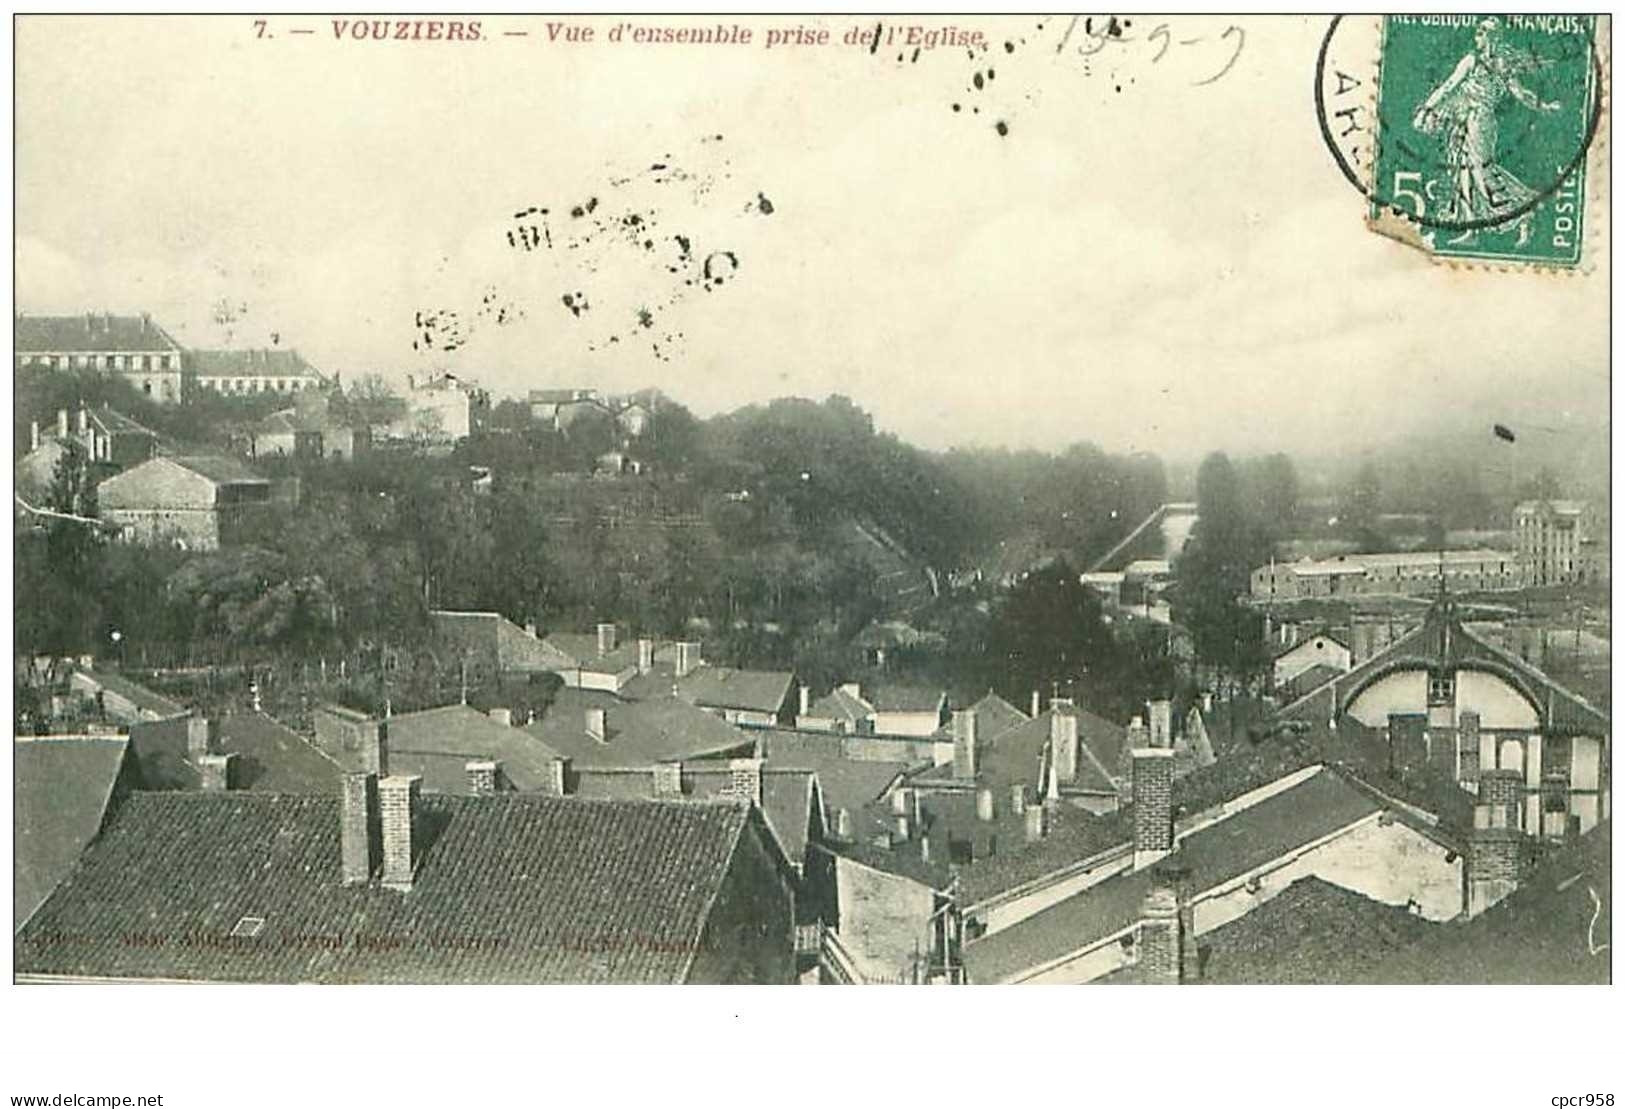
<point>372,400</point>
<point>1214,570</point>
<point>1048,629</point>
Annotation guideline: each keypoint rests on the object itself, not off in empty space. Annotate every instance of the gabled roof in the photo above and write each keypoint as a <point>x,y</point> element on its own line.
<point>271,758</point>
<point>845,783</point>
<point>511,887</point>
<point>115,422</point>
<point>513,646</point>
<point>640,733</point>
<point>63,787</point>
<point>579,650</point>
<point>1017,754</point>
<point>893,697</point>
<point>726,687</point>
<point>95,331</point>
<point>134,692</point>
<point>1264,832</point>
<point>1308,639</point>
<point>218,468</point>
<point>838,704</point>
<point>439,743</point>
<point>249,363</point>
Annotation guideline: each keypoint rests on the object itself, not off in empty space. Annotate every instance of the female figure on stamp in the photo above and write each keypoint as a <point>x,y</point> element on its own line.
<point>1461,112</point>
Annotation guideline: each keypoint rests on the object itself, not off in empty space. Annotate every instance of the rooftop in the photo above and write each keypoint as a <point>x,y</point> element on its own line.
<point>62,787</point>
<point>726,687</point>
<point>510,888</point>
<point>134,692</point>
<point>637,733</point>
<point>439,743</point>
<point>893,697</point>
<point>249,363</point>
<point>92,331</point>
<point>271,758</point>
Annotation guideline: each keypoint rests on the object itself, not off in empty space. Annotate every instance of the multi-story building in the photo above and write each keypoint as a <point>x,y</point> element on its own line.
<point>1557,542</point>
<point>1412,572</point>
<point>238,372</point>
<point>133,347</point>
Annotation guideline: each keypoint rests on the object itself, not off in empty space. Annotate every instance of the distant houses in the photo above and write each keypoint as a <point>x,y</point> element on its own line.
<point>133,347</point>
<point>190,501</point>
<point>251,372</point>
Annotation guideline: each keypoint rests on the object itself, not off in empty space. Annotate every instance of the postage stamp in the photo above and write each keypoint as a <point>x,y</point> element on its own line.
<point>1483,127</point>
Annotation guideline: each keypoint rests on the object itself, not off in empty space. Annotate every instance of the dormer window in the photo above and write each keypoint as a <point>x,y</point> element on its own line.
<point>1441,689</point>
<point>248,928</point>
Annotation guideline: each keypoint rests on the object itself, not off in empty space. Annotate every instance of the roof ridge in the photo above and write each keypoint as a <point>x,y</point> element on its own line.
<point>711,898</point>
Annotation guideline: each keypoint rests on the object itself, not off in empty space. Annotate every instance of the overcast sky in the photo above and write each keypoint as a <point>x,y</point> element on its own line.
<point>1141,261</point>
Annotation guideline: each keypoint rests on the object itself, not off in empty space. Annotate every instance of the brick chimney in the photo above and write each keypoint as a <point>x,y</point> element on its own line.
<point>199,737</point>
<point>1162,723</point>
<point>1138,735</point>
<point>217,772</point>
<point>1503,788</point>
<point>1034,711</point>
<point>805,702</point>
<point>843,824</point>
<point>33,436</point>
<point>606,639</point>
<point>84,419</point>
<point>984,805</point>
<point>1494,856</point>
<point>646,655</point>
<point>1153,787</point>
<point>745,779</point>
<point>374,737</point>
<point>668,779</point>
<point>964,744</point>
<point>360,837</point>
<point>558,777</point>
<point>397,802</point>
<point>61,423</point>
<point>1161,938</point>
<point>1018,798</point>
<point>1035,816</point>
<point>482,776</point>
<point>1470,740</point>
<point>501,715</point>
<point>1063,738</point>
<point>688,659</point>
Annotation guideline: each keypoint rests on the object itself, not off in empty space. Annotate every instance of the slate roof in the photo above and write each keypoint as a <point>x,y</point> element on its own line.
<point>219,469</point>
<point>580,649</point>
<point>134,692</point>
<point>838,704</point>
<point>492,632</point>
<point>1322,804</point>
<point>63,786</point>
<point>249,363</point>
<point>726,687</point>
<point>271,758</point>
<point>96,331</point>
<point>1017,754</point>
<point>439,743</point>
<point>512,887</point>
<point>994,717</point>
<point>845,783</point>
<point>892,697</point>
<point>640,733</point>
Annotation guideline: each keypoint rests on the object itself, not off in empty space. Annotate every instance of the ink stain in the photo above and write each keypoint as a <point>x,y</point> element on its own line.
<point>1009,48</point>
<point>956,107</point>
<point>764,205</point>
<point>1002,128</point>
<point>977,80</point>
<point>645,318</point>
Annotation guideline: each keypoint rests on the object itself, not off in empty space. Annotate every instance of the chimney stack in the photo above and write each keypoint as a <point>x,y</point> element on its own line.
<point>558,777</point>
<point>1063,738</point>
<point>965,744</point>
<point>745,779</point>
<point>61,423</point>
<point>1503,788</point>
<point>84,418</point>
<point>1162,930</point>
<point>843,824</point>
<point>1470,740</point>
<point>806,701</point>
<point>1494,856</point>
<point>1035,816</point>
<point>668,779</point>
<point>1138,736</point>
<point>530,629</point>
<point>502,715</point>
<point>33,436</point>
<point>359,833</point>
<point>984,805</point>
<point>899,800</point>
<point>482,777</point>
<point>606,639</point>
<point>1034,711</point>
<point>216,770</point>
<point>199,737</point>
<point>398,798</point>
<point>901,827</point>
<point>1153,785</point>
<point>374,736</point>
<point>1162,723</point>
<point>1018,798</point>
<point>646,655</point>
<point>688,659</point>
<point>598,725</point>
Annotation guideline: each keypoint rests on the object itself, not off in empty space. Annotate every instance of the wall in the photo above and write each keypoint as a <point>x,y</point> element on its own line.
<point>1096,962</point>
<point>884,918</point>
<point>750,935</point>
<point>1499,705</point>
<point>1403,692</point>
<point>1318,651</point>
<point>916,724</point>
<point>1000,913</point>
<point>198,529</point>
<point>880,749</point>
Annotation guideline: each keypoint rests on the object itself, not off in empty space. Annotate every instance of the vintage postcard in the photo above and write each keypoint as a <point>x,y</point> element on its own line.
<point>812,500</point>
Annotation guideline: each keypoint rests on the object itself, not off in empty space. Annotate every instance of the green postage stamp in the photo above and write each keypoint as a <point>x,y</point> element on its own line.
<point>1484,123</point>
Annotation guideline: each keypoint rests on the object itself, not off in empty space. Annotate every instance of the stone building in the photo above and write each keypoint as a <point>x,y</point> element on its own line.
<point>134,347</point>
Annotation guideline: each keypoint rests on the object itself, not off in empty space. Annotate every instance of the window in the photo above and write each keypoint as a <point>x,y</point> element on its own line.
<point>1441,689</point>
<point>249,927</point>
<point>146,387</point>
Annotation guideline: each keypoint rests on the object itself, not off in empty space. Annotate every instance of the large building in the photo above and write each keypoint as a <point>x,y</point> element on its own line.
<point>191,502</point>
<point>240,372</point>
<point>133,347</point>
<point>1411,572</point>
<point>1557,541</point>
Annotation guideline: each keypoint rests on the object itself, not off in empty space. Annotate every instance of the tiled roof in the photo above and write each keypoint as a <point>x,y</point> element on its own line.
<point>1311,932</point>
<point>439,743</point>
<point>249,363</point>
<point>838,704</point>
<point>846,783</point>
<point>511,888</point>
<point>1554,929</point>
<point>95,331</point>
<point>891,697</point>
<point>640,733</point>
<point>580,649</point>
<point>1017,754</point>
<point>513,647</point>
<point>725,687</point>
<point>219,469</point>
<point>62,788</point>
<point>270,757</point>
<point>1224,850</point>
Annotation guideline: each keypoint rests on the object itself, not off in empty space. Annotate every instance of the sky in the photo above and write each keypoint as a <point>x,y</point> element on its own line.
<point>1158,253</point>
